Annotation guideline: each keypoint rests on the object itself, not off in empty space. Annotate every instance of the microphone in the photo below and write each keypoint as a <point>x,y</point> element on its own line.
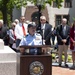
<point>42,32</point>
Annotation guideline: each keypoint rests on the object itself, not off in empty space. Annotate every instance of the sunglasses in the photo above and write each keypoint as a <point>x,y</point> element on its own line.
<point>42,20</point>
<point>22,19</point>
<point>13,25</point>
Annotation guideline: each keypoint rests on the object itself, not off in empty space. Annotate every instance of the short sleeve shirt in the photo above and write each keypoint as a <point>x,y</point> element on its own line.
<point>36,39</point>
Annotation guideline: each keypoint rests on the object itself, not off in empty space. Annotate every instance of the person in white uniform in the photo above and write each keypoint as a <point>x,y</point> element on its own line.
<point>32,38</point>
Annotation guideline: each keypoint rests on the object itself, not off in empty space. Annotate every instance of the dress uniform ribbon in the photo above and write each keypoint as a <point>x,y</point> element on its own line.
<point>24,32</point>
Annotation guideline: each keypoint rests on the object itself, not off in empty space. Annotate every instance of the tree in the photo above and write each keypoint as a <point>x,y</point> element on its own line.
<point>3,8</point>
<point>6,6</point>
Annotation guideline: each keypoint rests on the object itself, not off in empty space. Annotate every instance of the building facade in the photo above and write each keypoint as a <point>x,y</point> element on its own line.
<point>53,14</point>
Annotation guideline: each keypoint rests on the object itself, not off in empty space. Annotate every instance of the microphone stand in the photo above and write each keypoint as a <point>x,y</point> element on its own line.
<point>40,31</point>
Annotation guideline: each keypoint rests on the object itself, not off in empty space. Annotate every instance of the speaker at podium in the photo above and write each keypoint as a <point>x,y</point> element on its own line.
<point>36,64</point>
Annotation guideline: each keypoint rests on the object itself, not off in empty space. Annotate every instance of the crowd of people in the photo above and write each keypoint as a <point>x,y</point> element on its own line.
<point>26,33</point>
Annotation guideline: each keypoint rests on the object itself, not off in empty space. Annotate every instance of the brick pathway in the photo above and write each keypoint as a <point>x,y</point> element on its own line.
<point>62,71</point>
<point>56,70</point>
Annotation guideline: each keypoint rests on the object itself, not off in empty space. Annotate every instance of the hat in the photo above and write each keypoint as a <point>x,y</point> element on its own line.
<point>31,25</point>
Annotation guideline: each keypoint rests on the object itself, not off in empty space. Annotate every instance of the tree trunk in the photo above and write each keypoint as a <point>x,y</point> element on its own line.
<point>4,12</point>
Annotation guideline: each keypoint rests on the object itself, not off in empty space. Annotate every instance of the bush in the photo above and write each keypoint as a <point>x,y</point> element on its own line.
<point>53,56</point>
<point>69,58</point>
<point>1,16</point>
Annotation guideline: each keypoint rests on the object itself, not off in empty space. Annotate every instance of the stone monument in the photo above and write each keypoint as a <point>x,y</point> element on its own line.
<point>1,44</point>
<point>8,60</point>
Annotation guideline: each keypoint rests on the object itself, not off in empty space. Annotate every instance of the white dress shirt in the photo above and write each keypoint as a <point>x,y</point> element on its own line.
<point>42,26</point>
<point>43,29</point>
<point>64,29</point>
<point>19,31</point>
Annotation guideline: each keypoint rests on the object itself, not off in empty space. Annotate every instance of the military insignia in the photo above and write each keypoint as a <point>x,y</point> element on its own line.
<point>37,38</point>
<point>36,68</point>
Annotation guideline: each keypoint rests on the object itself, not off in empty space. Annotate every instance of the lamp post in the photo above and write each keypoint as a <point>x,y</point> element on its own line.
<point>39,5</point>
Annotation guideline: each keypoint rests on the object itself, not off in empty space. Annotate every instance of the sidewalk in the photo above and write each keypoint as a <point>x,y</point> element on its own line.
<point>56,70</point>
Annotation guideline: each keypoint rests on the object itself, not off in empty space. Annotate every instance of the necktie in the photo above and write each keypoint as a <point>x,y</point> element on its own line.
<point>23,30</point>
<point>64,30</point>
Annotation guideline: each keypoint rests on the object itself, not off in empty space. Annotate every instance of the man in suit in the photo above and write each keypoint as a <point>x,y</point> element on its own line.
<point>63,31</point>
<point>3,33</point>
<point>46,30</point>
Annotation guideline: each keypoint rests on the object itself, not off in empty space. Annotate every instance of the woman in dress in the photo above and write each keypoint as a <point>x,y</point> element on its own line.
<point>72,43</point>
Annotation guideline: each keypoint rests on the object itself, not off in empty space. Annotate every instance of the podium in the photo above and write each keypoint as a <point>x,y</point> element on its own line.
<point>36,64</point>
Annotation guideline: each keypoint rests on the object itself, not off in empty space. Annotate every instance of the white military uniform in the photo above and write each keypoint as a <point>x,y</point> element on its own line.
<point>36,39</point>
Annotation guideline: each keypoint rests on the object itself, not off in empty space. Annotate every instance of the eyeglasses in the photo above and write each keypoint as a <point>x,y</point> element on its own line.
<point>13,25</point>
<point>42,20</point>
<point>22,19</point>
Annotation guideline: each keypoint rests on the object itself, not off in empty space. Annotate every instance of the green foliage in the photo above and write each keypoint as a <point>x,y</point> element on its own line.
<point>8,5</point>
<point>49,1</point>
<point>1,16</point>
<point>53,56</point>
<point>58,2</point>
<point>9,20</point>
<point>63,57</point>
<point>73,18</point>
<point>1,4</point>
<point>19,3</point>
<point>69,58</point>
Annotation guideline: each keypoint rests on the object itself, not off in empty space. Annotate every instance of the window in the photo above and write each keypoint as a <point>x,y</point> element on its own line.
<point>68,3</point>
<point>58,19</point>
<point>54,4</point>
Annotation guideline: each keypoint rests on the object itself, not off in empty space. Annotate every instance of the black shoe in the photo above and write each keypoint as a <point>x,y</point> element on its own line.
<point>66,65</point>
<point>59,65</point>
<point>72,67</point>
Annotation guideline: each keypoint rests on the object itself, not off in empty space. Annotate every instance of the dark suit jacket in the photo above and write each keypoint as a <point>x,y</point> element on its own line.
<point>60,36</point>
<point>3,32</point>
<point>3,35</point>
<point>47,33</point>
